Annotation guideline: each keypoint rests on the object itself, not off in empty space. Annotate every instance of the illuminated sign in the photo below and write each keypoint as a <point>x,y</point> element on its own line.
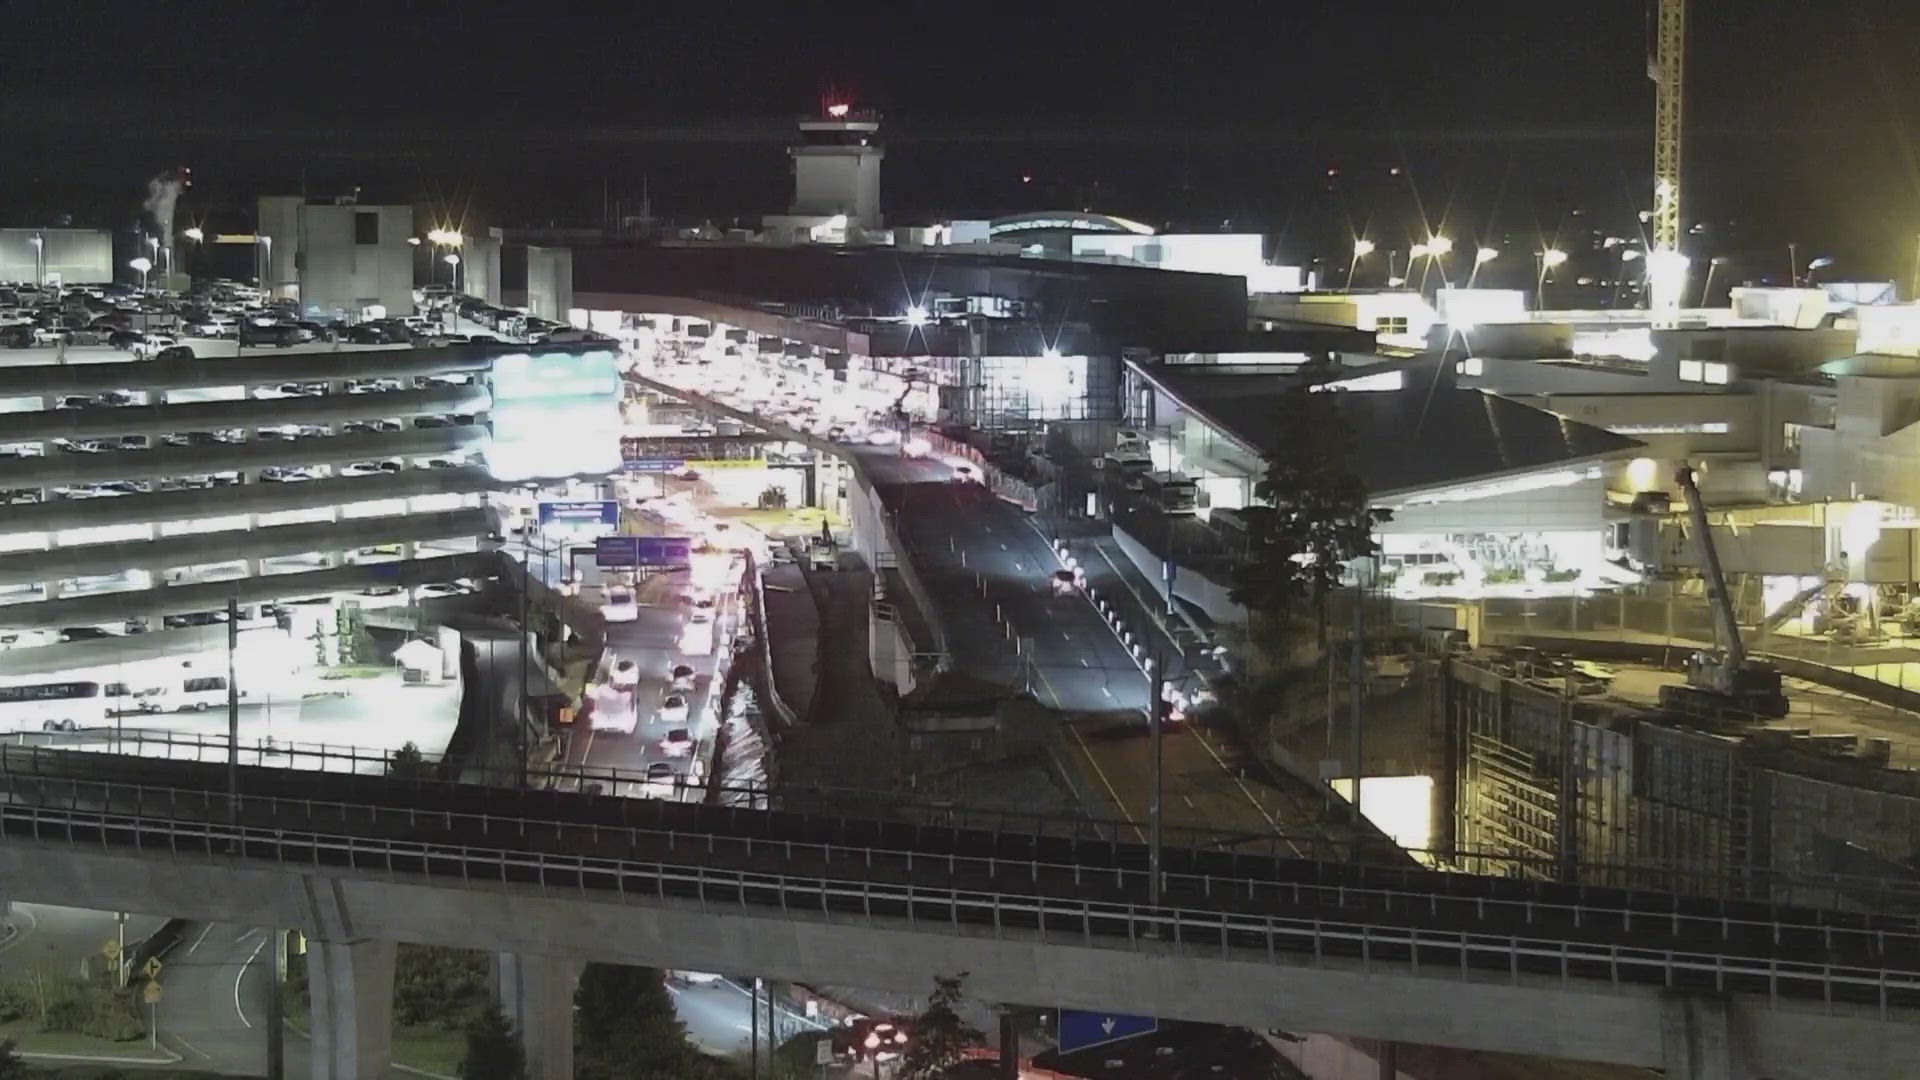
<point>580,512</point>
<point>623,551</point>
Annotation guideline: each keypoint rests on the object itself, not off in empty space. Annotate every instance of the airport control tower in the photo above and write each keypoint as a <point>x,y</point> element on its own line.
<point>836,166</point>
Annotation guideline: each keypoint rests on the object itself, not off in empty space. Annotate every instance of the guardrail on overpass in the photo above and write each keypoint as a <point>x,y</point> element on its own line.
<point>1592,974</point>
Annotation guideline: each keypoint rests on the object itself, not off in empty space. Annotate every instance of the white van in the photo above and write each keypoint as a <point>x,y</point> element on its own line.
<point>196,694</point>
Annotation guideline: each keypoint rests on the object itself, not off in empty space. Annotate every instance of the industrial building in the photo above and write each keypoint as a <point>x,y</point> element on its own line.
<point>56,256</point>
<point>148,488</point>
<point>341,259</point>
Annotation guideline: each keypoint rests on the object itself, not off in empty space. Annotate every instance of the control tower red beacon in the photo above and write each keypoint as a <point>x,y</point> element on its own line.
<point>836,164</point>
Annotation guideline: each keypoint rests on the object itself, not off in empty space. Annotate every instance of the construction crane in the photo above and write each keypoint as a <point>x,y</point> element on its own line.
<point>1726,680</point>
<point>1666,266</point>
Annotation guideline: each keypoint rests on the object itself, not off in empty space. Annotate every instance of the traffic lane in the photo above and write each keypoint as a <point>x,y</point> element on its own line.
<point>73,942</point>
<point>719,1014</point>
<point>214,999</point>
<point>991,574</point>
<point>651,642</point>
<point>1201,787</point>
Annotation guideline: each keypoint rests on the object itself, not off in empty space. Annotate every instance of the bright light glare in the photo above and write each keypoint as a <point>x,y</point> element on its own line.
<point>1666,278</point>
<point>1629,254</point>
<point>1417,251</point>
<point>1439,245</point>
<point>916,316</point>
<point>1050,353</point>
<point>142,264</point>
<point>1486,254</point>
<point>414,240</point>
<point>1396,282</point>
<point>1362,248</point>
<point>194,234</point>
<point>839,109</point>
<point>916,447</point>
<point>1552,257</point>
<point>451,259</point>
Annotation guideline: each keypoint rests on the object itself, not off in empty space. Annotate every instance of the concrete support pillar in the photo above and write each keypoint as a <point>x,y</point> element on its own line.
<point>351,986</point>
<point>1696,1038</point>
<point>536,994</point>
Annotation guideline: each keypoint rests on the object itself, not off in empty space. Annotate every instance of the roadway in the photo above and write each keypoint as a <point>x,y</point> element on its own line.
<point>990,569</point>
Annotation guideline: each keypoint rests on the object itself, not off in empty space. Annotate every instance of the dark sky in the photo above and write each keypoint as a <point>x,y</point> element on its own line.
<point>1505,118</point>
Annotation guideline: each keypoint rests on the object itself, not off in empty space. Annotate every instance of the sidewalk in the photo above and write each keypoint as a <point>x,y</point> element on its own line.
<point>793,624</point>
<point>848,740</point>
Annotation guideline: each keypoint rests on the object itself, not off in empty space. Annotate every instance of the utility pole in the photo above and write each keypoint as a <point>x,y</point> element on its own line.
<point>276,1006</point>
<point>233,708</point>
<point>753,1029</point>
<point>1359,667</point>
<point>1155,688</point>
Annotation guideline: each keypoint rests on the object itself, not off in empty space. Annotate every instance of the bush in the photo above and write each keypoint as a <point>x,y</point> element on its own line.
<point>100,1012</point>
<point>16,1003</point>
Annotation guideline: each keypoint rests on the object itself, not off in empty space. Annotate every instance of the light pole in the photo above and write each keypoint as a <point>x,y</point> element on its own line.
<point>1435,248</point>
<point>1547,259</point>
<point>39,241</point>
<point>1706,293</point>
<point>195,235</point>
<point>1361,248</point>
<point>263,255</point>
<point>142,264</point>
<point>1481,258</point>
<point>453,274</point>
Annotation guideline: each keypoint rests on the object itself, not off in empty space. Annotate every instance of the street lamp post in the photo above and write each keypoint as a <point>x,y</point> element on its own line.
<point>194,235</point>
<point>39,241</point>
<point>142,264</point>
<point>1481,258</point>
<point>1547,260</point>
<point>1361,248</point>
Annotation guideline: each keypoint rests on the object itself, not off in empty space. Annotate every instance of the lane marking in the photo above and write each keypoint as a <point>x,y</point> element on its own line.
<point>1118,806</point>
<point>244,968</point>
<point>1083,662</point>
<point>22,935</point>
<point>181,1039</point>
<point>197,942</point>
<point>1237,782</point>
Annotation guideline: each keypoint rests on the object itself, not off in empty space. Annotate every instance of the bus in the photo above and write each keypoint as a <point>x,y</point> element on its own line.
<point>54,706</point>
<point>196,694</point>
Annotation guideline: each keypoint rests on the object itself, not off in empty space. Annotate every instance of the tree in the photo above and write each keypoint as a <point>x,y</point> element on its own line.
<point>773,497</point>
<point>492,1051</point>
<point>1320,520</point>
<point>938,1038</point>
<point>625,1028</point>
<point>11,1067</point>
<point>408,763</point>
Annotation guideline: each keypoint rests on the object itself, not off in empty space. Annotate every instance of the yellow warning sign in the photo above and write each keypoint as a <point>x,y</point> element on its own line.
<point>153,993</point>
<point>151,968</point>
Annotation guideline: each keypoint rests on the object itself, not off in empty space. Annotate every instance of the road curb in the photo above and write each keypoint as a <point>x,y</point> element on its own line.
<point>171,1058</point>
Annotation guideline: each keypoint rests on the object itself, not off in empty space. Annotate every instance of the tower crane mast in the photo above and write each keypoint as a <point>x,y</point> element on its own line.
<point>1666,267</point>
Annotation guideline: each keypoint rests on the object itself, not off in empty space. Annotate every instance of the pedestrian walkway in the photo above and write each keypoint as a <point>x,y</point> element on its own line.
<point>848,737</point>
<point>793,625</point>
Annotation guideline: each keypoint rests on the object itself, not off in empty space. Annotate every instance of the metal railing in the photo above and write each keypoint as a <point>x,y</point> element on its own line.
<point>843,808</point>
<point>162,806</point>
<point>1188,931</point>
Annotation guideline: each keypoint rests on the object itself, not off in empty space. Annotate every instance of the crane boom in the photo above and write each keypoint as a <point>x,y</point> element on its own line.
<point>1724,626</point>
<point>1667,69</point>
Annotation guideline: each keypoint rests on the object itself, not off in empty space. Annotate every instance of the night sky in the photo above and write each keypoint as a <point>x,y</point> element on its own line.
<point>1509,122</point>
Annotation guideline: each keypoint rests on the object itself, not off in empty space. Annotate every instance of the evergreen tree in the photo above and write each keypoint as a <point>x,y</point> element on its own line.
<point>625,1028</point>
<point>492,1051</point>
<point>1321,520</point>
<point>938,1038</point>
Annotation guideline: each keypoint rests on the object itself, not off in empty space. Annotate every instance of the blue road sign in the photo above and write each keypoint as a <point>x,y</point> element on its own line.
<point>616,552</point>
<point>663,550</point>
<point>1081,1030</point>
<point>626,551</point>
<point>651,465</point>
<point>580,512</point>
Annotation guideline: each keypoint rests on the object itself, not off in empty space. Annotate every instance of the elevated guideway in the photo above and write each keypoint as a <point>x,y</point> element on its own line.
<point>1641,979</point>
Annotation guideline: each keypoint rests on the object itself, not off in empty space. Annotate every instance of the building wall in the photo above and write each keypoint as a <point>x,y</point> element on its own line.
<point>550,282</point>
<point>340,276</point>
<point>69,256</point>
<point>833,181</point>
<point>277,264</point>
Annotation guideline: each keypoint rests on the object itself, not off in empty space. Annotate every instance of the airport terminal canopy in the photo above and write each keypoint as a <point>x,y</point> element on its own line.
<point>1404,440</point>
<point>1064,221</point>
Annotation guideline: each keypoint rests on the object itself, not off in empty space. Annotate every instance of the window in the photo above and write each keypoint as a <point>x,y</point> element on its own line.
<point>366,227</point>
<point>1472,365</point>
<point>1717,374</point>
<point>1690,371</point>
<point>1390,324</point>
